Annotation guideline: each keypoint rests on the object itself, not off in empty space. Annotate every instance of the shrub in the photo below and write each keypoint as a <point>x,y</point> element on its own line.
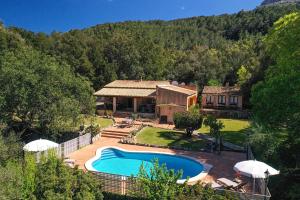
<point>161,184</point>
<point>189,121</point>
<point>215,127</point>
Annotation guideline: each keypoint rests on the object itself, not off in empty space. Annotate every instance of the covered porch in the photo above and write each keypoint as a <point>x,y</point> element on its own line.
<point>123,104</point>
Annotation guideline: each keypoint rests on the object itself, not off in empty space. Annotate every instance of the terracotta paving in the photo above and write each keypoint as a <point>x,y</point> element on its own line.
<point>222,164</point>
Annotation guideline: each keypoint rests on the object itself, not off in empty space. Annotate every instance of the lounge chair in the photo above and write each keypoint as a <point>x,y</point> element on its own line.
<point>240,187</point>
<point>227,182</point>
<point>215,185</point>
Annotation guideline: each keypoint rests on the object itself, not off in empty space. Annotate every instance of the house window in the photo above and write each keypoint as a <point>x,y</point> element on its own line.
<point>209,100</point>
<point>222,99</point>
<point>233,100</point>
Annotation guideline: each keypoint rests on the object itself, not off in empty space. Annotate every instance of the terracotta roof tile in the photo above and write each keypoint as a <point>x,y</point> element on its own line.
<point>126,92</point>
<point>136,84</point>
<point>178,89</point>
<point>221,90</point>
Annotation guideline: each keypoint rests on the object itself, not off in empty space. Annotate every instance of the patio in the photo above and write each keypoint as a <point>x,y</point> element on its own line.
<point>222,164</point>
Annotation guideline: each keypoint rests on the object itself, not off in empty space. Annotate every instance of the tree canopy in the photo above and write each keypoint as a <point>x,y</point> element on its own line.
<point>276,106</point>
<point>196,49</point>
<point>276,100</point>
<point>39,92</point>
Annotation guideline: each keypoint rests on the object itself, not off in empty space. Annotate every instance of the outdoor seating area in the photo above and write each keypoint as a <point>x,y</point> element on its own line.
<point>125,123</point>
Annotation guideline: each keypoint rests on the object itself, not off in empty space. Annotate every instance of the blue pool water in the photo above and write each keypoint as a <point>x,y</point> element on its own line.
<point>124,163</point>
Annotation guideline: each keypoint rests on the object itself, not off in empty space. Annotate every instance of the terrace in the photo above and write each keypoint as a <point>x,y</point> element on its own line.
<point>222,164</point>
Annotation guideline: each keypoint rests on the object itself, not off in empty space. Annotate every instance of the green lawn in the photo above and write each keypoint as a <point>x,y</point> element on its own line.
<point>103,122</point>
<point>163,137</point>
<point>234,130</point>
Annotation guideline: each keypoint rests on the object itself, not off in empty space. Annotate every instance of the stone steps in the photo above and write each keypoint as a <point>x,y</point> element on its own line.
<point>114,134</point>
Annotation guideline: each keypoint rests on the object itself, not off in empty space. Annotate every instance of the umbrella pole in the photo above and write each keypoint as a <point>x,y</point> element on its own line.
<point>253,190</point>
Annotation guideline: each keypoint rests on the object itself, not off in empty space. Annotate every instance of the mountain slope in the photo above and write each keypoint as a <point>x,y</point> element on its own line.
<point>195,49</point>
<point>272,2</point>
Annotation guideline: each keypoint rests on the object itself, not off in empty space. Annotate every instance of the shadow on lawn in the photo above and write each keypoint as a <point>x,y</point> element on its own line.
<point>236,137</point>
<point>180,139</point>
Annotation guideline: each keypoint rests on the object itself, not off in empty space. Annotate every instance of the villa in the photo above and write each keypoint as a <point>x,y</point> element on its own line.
<point>151,99</point>
<point>223,101</point>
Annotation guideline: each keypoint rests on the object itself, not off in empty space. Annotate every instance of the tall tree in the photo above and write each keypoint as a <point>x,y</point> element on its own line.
<point>39,92</point>
<point>276,103</point>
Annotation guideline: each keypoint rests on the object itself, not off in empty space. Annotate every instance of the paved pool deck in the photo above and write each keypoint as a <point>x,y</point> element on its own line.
<point>222,164</point>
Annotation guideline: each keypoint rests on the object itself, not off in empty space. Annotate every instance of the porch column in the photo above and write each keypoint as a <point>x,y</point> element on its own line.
<point>135,104</point>
<point>227,100</point>
<point>114,104</point>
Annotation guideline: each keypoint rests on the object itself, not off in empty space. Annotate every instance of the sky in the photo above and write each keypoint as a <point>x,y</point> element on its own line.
<point>63,15</point>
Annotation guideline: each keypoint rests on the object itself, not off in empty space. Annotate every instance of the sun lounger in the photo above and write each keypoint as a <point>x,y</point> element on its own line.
<point>227,182</point>
<point>240,187</point>
<point>216,185</point>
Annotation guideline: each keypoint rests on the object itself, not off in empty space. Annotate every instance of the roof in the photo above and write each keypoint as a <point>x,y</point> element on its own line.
<point>136,84</point>
<point>178,89</point>
<point>221,90</point>
<point>128,92</point>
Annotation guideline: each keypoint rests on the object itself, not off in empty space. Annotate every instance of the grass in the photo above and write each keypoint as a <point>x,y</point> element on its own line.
<point>163,137</point>
<point>234,130</point>
<point>103,122</point>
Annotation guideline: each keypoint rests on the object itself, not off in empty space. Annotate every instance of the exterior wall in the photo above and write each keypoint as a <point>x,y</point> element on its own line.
<point>164,96</point>
<point>216,105</point>
<point>191,100</point>
<point>169,111</point>
<point>180,103</point>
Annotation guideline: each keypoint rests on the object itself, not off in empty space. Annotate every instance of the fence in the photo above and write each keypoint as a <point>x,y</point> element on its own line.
<point>260,184</point>
<point>243,195</point>
<point>65,148</point>
<point>116,183</point>
<point>124,185</point>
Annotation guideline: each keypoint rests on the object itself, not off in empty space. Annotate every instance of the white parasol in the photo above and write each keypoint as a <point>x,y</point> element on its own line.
<point>40,145</point>
<point>255,169</point>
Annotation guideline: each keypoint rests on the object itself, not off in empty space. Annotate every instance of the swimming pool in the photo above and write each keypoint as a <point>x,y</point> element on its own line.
<point>114,160</point>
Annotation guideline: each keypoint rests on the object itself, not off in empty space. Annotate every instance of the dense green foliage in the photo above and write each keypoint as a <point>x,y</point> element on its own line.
<point>40,93</point>
<point>161,184</point>
<point>189,121</point>
<point>195,49</point>
<point>54,180</point>
<point>276,106</point>
<point>23,178</point>
<point>47,82</point>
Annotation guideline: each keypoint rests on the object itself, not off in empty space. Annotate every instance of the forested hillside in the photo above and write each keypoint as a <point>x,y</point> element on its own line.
<point>47,83</point>
<point>272,2</point>
<point>197,49</point>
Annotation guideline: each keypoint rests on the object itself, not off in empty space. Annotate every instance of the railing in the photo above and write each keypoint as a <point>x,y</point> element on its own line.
<point>261,193</point>
<point>243,195</point>
<point>124,185</point>
<point>65,148</point>
<point>116,183</point>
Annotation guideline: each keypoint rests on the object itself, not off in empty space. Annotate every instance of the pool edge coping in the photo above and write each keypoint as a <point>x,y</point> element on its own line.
<point>200,176</point>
